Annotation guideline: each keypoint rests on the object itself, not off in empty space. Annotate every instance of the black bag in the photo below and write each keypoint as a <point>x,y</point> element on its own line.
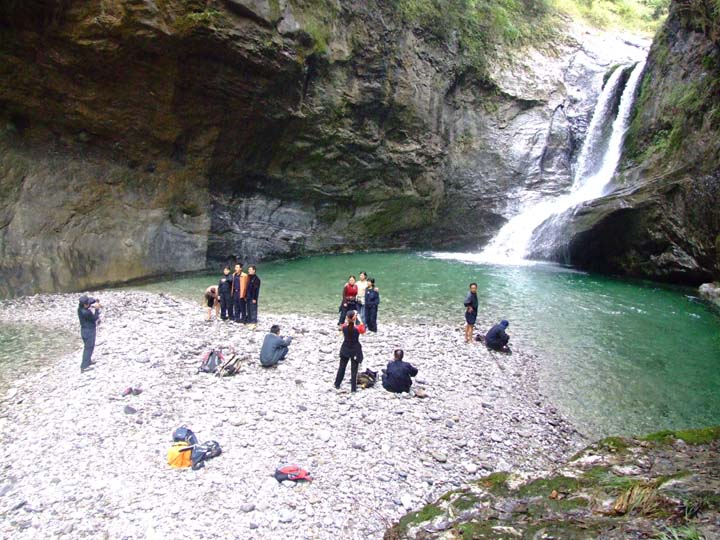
<point>201,452</point>
<point>211,362</point>
<point>184,434</point>
<point>367,378</point>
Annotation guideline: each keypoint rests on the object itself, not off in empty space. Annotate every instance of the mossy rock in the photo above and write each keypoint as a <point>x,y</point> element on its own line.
<point>689,436</point>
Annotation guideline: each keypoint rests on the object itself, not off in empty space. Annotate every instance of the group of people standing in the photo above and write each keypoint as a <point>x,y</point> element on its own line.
<point>236,296</point>
<point>360,296</point>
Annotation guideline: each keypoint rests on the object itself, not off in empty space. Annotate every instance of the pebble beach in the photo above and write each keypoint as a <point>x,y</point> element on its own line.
<point>84,461</point>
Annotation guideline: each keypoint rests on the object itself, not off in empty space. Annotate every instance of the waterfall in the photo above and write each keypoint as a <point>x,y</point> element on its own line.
<point>596,165</point>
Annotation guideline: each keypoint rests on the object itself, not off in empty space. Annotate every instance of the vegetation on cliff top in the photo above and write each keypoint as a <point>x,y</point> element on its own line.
<point>479,26</point>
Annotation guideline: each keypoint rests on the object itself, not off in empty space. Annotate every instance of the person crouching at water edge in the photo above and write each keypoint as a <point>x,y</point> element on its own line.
<point>350,350</point>
<point>496,338</point>
<point>471,307</point>
<point>397,375</point>
<point>274,348</point>
<point>88,327</point>
<point>211,300</point>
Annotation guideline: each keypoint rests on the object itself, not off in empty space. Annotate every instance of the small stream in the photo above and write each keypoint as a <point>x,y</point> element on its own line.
<point>31,347</point>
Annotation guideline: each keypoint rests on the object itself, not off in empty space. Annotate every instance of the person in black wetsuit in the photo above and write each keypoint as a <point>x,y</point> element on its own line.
<point>372,300</point>
<point>471,307</point>
<point>88,322</point>
<point>397,375</point>
<point>350,350</point>
<point>496,338</point>
<point>226,307</point>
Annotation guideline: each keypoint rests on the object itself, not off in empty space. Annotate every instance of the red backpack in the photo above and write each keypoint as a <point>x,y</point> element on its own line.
<point>293,473</point>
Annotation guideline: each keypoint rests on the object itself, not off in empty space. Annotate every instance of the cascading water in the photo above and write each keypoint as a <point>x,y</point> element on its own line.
<point>591,177</point>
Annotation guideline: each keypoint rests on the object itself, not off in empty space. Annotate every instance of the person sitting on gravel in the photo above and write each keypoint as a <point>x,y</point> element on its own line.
<point>496,338</point>
<point>350,350</point>
<point>274,348</point>
<point>397,375</point>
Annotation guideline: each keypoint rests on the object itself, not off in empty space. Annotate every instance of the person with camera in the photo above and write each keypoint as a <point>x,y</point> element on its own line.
<point>350,350</point>
<point>89,314</point>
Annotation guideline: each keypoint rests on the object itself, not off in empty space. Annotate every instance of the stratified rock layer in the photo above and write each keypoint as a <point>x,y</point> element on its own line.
<point>142,138</point>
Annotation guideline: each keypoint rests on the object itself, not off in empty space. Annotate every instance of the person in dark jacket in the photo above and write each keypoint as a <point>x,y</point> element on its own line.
<point>372,300</point>
<point>471,307</point>
<point>396,376</point>
<point>226,307</point>
<point>496,338</point>
<point>274,348</point>
<point>350,350</point>
<point>252,295</point>
<point>88,323</point>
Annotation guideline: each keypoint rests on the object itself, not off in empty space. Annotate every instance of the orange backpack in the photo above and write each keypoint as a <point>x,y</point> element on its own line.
<point>180,455</point>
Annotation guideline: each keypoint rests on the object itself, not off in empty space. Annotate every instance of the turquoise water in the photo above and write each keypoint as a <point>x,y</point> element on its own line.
<point>617,357</point>
<point>27,347</point>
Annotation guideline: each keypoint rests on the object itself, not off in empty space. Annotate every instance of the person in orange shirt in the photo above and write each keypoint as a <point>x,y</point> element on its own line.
<point>238,292</point>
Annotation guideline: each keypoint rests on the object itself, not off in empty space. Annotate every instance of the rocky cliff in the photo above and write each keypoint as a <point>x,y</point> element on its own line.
<point>662,220</point>
<point>153,136</point>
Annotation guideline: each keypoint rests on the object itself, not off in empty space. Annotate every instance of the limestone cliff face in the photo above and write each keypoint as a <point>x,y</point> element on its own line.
<point>662,221</point>
<point>153,136</point>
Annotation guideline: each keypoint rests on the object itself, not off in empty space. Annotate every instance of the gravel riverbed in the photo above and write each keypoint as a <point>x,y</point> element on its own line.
<point>82,461</point>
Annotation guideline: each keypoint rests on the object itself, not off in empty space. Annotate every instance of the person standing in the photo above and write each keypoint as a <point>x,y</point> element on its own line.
<point>362,285</point>
<point>211,299</point>
<point>274,348</point>
<point>88,313</point>
<point>253,293</point>
<point>471,307</point>
<point>397,376</point>
<point>350,350</point>
<point>243,296</point>
<point>349,299</point>
<point>372,300</point>
<point>224,286</point>
<point>236,290</point>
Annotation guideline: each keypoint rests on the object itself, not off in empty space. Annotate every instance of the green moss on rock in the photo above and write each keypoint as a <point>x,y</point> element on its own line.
<point>689,436</point>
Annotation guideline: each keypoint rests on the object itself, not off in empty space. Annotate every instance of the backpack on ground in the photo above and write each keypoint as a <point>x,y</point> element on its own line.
<point>204,451</point>
<point>367,378</point>
<point>179,456</point>
<point>231,367</point>
<point>184,434</point>
<point>292,473</point>
<point>211,361</point>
